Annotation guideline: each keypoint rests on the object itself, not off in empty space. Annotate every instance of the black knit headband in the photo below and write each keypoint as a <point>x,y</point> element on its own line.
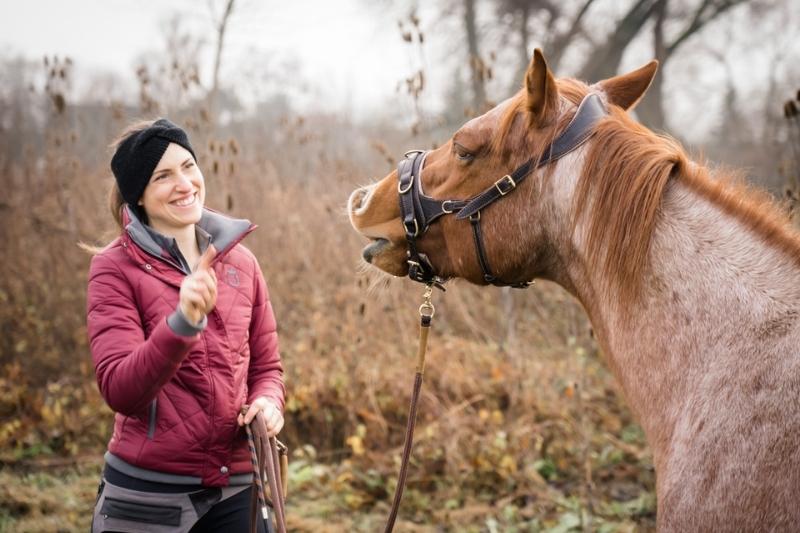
<point>138,155</point>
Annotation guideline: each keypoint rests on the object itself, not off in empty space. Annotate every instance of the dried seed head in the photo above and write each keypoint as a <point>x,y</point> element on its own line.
<point>59,102</point>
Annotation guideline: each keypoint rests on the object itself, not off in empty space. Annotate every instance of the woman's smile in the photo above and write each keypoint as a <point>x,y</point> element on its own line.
<point>186,201</point>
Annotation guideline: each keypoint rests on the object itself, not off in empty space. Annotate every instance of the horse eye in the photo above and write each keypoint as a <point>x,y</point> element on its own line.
<point>462,154</point>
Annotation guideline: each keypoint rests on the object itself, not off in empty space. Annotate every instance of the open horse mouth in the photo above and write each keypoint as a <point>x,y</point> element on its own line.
<point>373,249</point>
<point>375,215</point>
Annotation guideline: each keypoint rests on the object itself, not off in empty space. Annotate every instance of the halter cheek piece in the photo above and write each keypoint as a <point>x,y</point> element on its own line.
<point>420,211</point>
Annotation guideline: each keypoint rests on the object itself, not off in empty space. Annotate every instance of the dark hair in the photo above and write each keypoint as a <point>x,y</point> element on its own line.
<point>115,201</point>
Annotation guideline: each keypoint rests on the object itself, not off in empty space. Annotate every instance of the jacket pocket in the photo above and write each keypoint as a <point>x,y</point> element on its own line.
<point>147,513</point>
<point>151,427</point>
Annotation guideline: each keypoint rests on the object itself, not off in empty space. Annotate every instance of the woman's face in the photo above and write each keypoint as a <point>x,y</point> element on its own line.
<point>174,197</point>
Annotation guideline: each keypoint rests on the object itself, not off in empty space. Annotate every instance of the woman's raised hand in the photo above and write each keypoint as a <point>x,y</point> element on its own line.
<point>199,290</point>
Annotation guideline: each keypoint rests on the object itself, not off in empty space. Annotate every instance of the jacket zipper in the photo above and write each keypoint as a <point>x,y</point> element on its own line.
<point>151,429</point>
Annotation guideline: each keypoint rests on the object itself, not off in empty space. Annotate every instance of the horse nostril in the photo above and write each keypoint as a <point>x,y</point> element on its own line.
<point>358,197</point>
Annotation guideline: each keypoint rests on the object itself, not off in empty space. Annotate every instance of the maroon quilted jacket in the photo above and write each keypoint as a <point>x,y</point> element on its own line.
<point>176,397</point>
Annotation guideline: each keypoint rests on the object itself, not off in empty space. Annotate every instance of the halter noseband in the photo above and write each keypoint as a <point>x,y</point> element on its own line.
<point>419,211</point>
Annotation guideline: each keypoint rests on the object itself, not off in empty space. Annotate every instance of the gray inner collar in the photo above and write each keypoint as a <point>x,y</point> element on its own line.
<point>216,228</point>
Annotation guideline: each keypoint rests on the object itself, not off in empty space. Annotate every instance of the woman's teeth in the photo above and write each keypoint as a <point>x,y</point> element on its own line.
<point>186,201</point>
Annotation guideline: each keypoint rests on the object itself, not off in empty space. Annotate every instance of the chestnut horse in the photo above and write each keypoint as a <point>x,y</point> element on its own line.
<point>691,282</point>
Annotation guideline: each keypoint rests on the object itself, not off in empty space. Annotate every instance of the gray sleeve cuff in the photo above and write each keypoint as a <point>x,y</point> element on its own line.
<point>181,325</point>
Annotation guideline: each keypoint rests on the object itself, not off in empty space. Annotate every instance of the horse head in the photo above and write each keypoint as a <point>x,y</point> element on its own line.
<point>516,236</point>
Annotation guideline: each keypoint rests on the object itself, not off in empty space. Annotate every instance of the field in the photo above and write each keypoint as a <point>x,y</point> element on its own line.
<point>521,427</point>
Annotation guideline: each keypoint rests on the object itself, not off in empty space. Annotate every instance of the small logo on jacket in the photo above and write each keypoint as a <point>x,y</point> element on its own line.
<point>232,276</point>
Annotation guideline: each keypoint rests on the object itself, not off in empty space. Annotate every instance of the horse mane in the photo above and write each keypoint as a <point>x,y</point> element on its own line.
<point>626,171</point>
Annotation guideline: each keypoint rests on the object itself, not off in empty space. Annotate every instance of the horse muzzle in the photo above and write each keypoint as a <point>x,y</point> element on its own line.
<point>374,248</point>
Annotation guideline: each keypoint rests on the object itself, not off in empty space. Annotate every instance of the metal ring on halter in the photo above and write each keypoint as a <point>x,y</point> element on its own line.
<point>444,209</point>
<point>403,190</point>
<point>416,228</point>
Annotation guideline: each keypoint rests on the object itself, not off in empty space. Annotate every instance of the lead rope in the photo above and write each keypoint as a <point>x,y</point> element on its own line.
<point>426,311</point>
<point>268,457</point>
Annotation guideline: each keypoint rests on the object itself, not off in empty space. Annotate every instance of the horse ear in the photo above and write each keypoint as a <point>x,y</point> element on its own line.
<point>626,90</point>
<point>542,91</point>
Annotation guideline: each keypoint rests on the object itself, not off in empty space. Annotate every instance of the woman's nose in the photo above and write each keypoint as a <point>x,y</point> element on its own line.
<point>184,181</point>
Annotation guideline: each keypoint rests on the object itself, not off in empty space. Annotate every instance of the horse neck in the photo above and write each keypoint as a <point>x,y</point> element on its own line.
<point>716,299</point>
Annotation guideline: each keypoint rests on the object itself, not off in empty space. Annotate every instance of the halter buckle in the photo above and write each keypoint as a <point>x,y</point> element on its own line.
<point>444,209</point>
<point>507,179</point>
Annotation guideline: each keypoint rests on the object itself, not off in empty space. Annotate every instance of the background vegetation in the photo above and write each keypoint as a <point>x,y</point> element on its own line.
<point>521,427</point>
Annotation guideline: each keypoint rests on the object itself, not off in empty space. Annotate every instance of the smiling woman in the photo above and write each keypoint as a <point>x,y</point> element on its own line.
<point>178,354</point>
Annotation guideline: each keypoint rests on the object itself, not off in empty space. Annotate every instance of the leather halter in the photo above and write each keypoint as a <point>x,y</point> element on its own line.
<point>419,211</point>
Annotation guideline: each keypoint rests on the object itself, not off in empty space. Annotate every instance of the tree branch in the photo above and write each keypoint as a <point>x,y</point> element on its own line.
<point>221,26</point>
<point>559,44</point>
<point>698,21</point>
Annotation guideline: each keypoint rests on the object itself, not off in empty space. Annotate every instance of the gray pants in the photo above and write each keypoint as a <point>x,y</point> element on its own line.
<point>130,511</point>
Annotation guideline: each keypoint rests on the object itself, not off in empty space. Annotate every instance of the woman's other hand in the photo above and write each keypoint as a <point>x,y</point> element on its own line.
<point>199,290</point>
<point>272,415</point>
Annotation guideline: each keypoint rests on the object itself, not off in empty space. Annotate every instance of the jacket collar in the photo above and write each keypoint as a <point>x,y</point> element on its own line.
<point>222,231</point>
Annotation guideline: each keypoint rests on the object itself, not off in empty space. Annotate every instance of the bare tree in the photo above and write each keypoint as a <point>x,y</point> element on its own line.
<point>221,24</point>
<point>651,110</point>
<point>476,63</point>
<point>555,42</point>
<point>605,59</point>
